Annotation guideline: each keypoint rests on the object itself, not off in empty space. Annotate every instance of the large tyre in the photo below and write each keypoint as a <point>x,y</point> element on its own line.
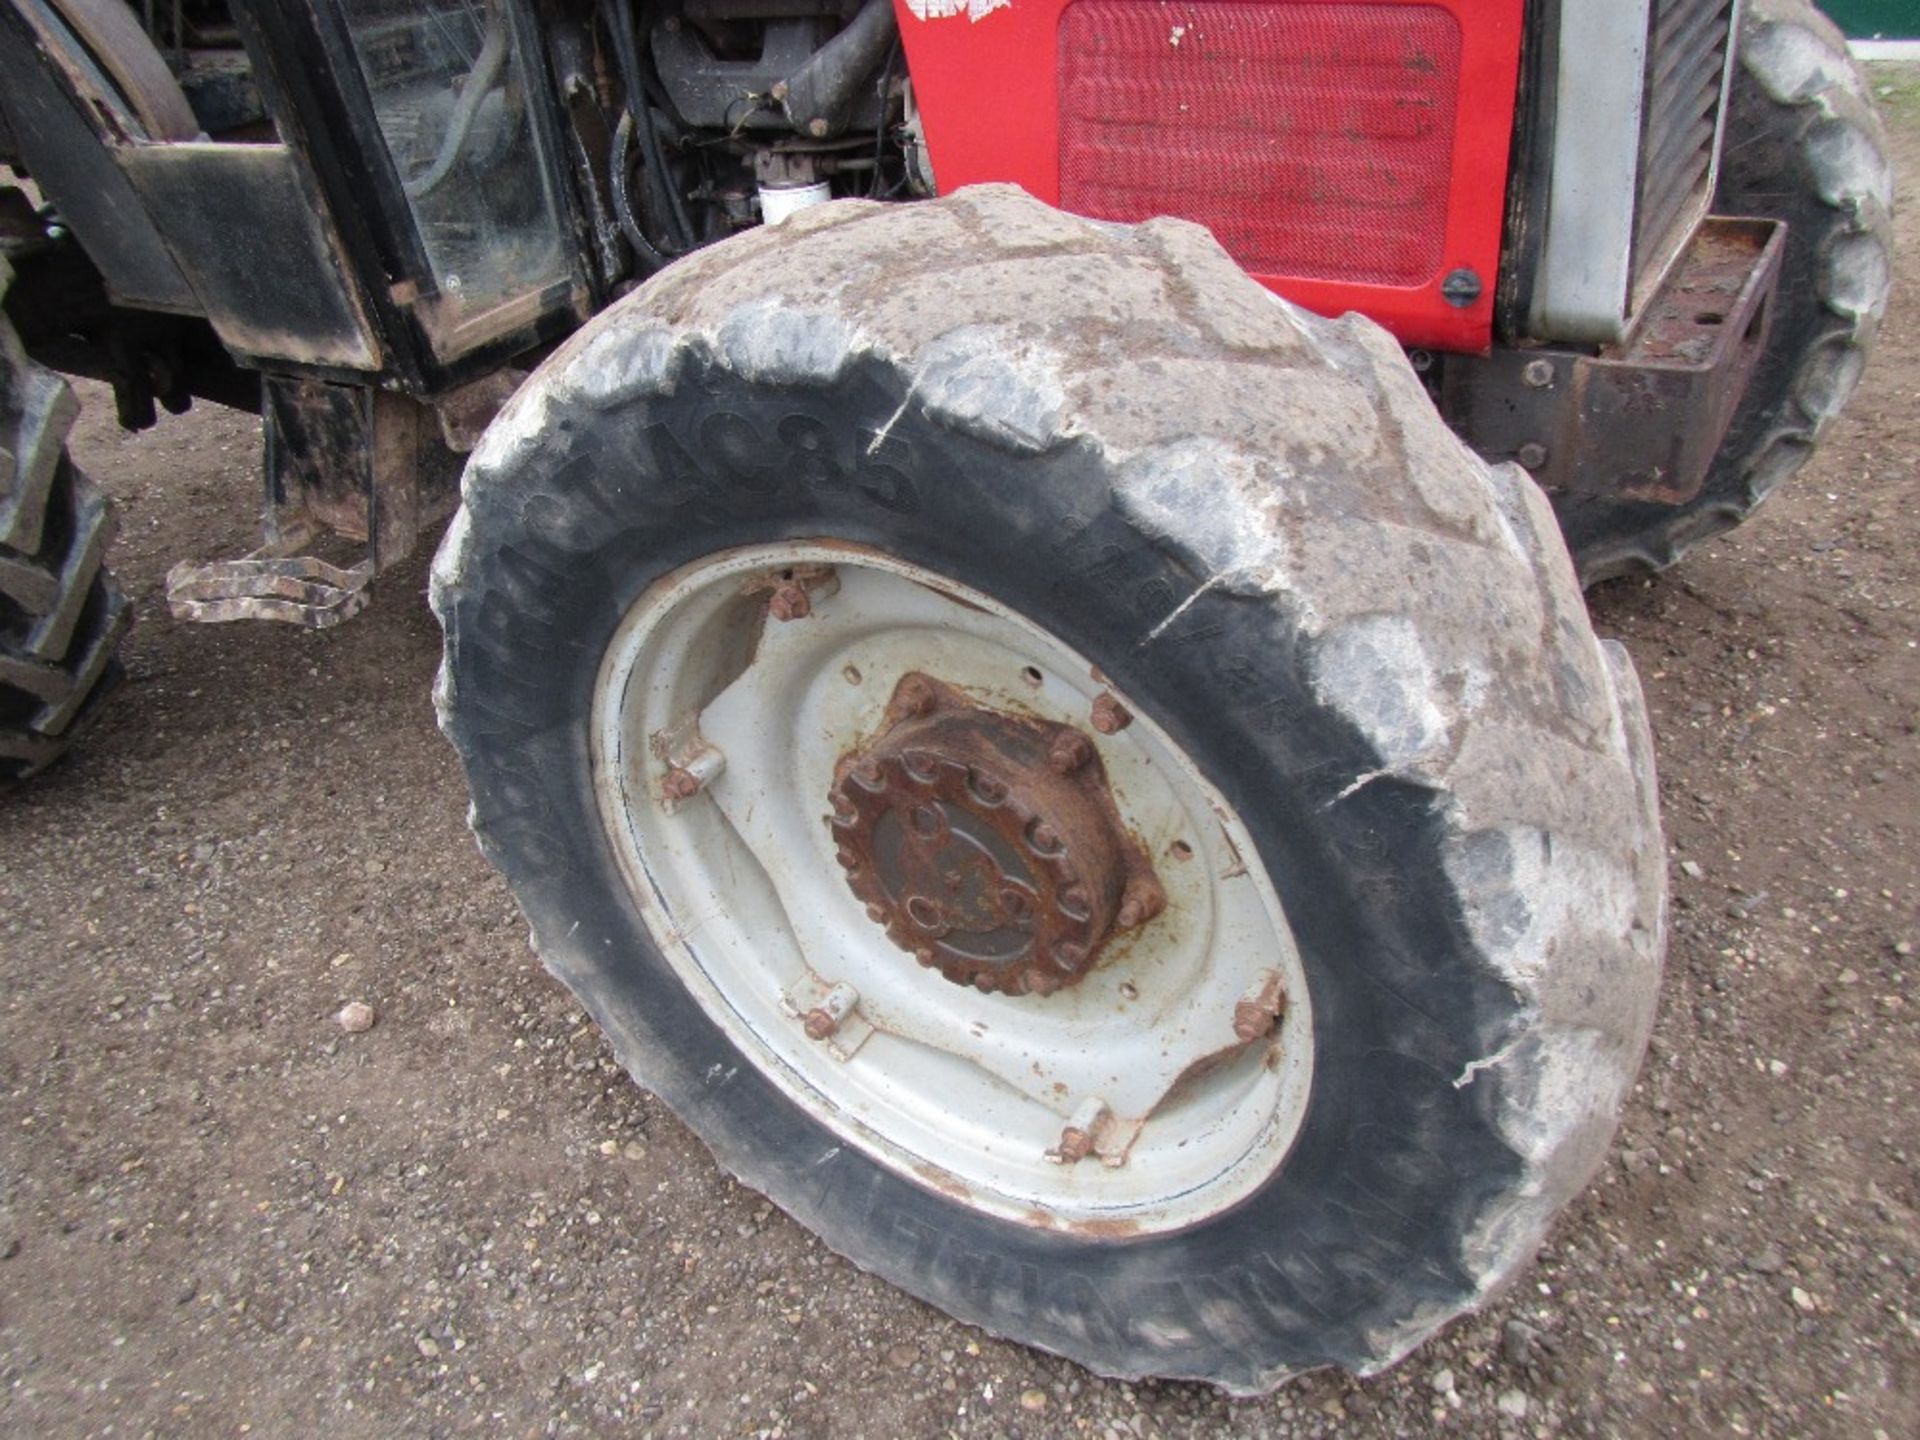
<point>1802,145</point>
<point>1043,457</point>
<point>61,615</point>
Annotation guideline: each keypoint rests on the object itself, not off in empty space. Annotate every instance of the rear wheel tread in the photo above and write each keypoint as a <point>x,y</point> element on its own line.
<point>61,614</point>
<point>1795,84</point>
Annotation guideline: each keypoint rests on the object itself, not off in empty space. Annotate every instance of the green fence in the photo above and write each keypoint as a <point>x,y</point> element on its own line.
<point>1887,19</point>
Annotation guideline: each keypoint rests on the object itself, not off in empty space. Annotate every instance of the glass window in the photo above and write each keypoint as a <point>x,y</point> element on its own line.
<point>451,98</point>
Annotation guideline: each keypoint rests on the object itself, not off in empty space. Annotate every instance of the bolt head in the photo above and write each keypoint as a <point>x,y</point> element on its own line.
<point>1110,717</point>
<point>681,784</point>
<point>1532,455</point>
<point>1462,287</point>
<point>1070,751</point>
<point>1252,1023</point>
<point>789,602</point>
<point>820,1025</point>
<point>1537,374</point>
<point>916,697</point>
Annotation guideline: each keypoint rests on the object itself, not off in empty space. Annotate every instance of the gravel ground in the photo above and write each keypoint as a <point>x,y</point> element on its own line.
<point>222,1213</point>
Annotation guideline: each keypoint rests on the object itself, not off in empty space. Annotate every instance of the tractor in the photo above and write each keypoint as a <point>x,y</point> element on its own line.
<point>1013,570</point>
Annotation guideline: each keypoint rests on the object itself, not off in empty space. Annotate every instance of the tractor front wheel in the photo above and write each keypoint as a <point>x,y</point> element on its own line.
<point>1067,776</point>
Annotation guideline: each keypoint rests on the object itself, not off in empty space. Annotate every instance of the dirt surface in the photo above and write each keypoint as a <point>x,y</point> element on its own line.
<point>222,1214</point>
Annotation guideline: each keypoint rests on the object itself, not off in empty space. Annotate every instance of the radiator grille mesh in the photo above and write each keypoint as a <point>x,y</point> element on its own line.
<point>1314,140</point>
<point>1686,59</point>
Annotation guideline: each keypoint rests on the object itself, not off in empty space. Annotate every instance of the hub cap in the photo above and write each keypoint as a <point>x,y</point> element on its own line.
<point>987,843</point>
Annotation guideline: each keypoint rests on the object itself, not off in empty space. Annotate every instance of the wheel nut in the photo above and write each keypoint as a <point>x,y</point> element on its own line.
<point>1257,1012</point>
<point>915,697</point>
<point>1110,717</point>
<point>1070,750</point>
<point>692,770</point>
<point>1082,1131</point>
<point>789,602</point>
<point>1143,900</point>
<point>824,1020</point>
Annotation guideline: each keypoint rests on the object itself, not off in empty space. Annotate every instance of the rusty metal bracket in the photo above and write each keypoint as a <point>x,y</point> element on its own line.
<point>1641,420</point>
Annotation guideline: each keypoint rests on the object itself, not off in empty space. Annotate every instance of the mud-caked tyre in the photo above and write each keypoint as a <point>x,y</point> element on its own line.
<point>1803,145</point>
<point>1360,653</point>
<point>61,615</point>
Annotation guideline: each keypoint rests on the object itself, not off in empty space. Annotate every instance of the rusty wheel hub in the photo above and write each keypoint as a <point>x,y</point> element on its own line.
<point>988,844</point>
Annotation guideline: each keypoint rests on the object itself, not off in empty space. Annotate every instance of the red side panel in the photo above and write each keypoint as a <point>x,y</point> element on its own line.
<point>1352,156</point>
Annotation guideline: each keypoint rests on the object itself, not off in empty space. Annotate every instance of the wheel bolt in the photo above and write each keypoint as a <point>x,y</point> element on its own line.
<point>699,767</point>
<point>1110,717</point>
<point>1070,750</point>
<point>1257,1012</point>
<point>825,1019</point>
<point>1082,1132</point>
<point>789,602</point>
<point>915,697</point>
<point>1142,901</point>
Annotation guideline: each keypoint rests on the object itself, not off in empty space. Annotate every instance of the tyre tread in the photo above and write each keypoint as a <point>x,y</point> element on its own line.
<point>61,614</point>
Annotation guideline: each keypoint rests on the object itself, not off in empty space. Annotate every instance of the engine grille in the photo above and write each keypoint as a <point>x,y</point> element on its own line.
<point>1686,65</point>
<point>1313,139</point>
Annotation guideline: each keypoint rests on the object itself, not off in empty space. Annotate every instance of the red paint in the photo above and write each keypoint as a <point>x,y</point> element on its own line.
<point>1342,188</point>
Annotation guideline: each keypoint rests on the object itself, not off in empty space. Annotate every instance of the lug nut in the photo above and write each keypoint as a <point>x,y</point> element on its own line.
<point>699,767</point>
<point>1141,902</point>
<point>1258,1011</point>
<point>1070,750</point>
<point>825,1019</point>
<point>789,602</point>
<point>1082,1131</point>
<point>915,697</point>
<point>1110,717</point>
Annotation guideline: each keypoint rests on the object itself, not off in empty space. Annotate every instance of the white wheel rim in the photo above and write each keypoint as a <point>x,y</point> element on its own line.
<point>964,1092</point>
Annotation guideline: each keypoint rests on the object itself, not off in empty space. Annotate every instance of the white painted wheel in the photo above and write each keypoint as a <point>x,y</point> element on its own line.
<point>740,887</point>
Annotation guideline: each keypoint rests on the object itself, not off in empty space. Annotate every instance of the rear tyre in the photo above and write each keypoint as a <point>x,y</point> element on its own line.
<point>1044,459</point>
<point>1803,145</point>
<point>61,615</point>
